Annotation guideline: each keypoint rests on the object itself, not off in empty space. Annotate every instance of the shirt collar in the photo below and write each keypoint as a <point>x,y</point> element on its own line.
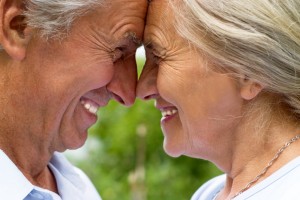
<point>69,183</point>
<point>63,168</point>
<point>12,179</point>
<point>13,184</point>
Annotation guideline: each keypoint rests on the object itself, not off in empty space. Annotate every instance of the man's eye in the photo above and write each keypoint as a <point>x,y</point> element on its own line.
<point>118,54</point>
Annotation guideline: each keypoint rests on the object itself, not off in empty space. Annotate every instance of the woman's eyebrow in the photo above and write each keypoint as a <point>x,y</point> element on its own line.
<point>155,47</point>
<point>151,45</point>
<point>148,45</point>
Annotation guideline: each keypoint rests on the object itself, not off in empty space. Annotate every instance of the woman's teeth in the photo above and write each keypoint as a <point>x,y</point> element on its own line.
<point>90,108</point>
<point>166,113</point>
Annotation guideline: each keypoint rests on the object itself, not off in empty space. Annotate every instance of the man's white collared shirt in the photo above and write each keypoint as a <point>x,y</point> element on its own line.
<point>71,182</point>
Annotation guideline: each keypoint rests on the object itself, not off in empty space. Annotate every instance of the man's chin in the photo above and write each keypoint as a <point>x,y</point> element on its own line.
<point>74,142</point>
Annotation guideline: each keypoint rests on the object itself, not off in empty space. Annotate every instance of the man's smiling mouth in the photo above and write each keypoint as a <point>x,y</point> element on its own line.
<point>90,106</point>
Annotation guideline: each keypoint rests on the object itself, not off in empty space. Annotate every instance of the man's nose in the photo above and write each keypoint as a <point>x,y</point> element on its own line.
<point>123,84</point>
<point>147,88</point>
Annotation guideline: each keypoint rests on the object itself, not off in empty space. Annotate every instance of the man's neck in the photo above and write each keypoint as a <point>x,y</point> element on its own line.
<point>32,163</point>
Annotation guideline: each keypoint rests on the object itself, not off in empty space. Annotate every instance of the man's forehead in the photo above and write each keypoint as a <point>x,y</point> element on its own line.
<point>120,21</point>
<point>122,9</point>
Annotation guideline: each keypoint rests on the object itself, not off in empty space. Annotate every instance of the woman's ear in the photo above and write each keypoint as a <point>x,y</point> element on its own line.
<point>249,89</point>
<point>13,29</point>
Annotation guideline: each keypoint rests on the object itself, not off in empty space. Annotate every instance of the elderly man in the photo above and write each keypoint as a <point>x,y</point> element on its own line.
<point>60,61</point>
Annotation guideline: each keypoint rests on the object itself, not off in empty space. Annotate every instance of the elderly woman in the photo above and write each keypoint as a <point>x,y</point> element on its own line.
<point>226,76</point>
<point>60,61</point>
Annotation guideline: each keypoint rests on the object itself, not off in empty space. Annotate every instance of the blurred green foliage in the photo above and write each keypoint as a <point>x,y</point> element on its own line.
<point>125,160</point>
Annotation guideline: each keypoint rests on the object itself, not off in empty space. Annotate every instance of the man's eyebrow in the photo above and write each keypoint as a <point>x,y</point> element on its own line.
<point>136,41</point>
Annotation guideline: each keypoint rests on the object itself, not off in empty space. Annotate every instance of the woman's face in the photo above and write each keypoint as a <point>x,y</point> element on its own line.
<point>200,107</point>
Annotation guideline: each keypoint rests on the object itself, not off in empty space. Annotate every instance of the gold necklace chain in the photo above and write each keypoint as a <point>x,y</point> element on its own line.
<point>263,172</point>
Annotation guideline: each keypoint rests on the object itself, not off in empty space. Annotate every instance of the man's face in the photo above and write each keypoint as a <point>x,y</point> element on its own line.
<point>55,92</point>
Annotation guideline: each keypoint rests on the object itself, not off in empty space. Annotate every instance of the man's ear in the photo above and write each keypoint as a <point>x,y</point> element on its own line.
<point>13,28</point>
<point>249,89</point>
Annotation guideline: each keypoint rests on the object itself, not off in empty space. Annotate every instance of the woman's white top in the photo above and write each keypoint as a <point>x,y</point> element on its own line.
<point>284,184</point>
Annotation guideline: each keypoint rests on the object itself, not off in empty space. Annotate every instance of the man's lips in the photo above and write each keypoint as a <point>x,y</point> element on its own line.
<point>91,106</point>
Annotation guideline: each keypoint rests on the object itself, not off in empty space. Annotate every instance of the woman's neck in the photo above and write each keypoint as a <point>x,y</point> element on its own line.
<point>257,141</point>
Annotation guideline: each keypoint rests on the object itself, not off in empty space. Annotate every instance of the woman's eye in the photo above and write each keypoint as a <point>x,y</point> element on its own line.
<point>153,56</point>
<point>156,58</point>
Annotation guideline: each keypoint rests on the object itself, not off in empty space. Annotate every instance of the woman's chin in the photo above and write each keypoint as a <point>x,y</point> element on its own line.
<point>172,150</point>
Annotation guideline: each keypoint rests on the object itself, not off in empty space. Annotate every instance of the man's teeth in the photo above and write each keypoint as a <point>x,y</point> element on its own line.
<point>169,112</point>
<point>89,107</point>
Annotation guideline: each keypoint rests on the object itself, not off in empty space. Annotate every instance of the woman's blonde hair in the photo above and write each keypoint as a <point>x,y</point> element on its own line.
<point>259,39</point>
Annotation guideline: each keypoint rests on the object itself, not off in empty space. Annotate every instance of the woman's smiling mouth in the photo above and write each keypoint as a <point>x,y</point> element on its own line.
<point>167,113</point>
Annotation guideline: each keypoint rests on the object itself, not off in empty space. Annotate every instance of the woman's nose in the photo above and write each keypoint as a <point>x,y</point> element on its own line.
<point>147,88</point>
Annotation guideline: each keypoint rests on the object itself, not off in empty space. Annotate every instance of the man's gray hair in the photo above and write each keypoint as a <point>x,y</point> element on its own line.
<point>54,18</point>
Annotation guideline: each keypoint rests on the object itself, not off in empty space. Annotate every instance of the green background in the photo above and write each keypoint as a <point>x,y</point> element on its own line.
<point>125,159</point>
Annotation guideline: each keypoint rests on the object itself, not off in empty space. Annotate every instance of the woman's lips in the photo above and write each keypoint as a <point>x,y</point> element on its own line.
<point>168,113</point>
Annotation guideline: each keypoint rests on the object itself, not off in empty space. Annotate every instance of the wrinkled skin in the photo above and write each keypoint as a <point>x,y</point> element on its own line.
<point>208,114</point>
<point>203,105</point>
<point>44,95</point>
